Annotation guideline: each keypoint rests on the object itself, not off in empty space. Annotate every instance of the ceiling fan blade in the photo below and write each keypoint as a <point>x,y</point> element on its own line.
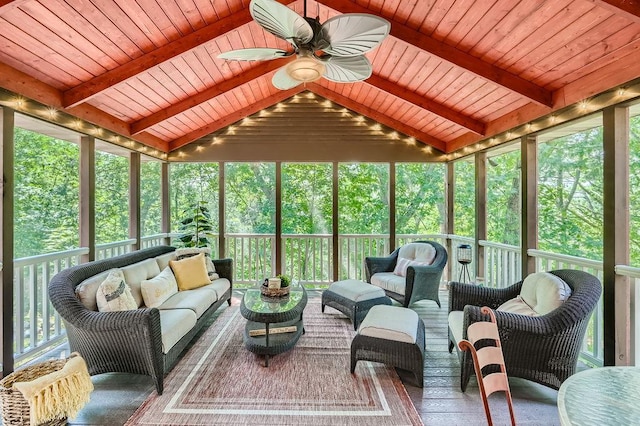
<point>254,54</point>
<point>281,21</point>
<point>347,69</point>
<point>282,81</point>
<point>353,34</point>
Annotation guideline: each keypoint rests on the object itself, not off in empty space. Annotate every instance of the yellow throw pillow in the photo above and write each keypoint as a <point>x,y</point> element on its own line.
<point>190,272</point>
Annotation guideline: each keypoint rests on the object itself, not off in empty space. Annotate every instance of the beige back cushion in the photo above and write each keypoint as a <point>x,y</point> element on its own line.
<point>134,274</point>
<point>544,292</point>
<point>163,259</point>
<point>86,291</point>
<point>420,252</point>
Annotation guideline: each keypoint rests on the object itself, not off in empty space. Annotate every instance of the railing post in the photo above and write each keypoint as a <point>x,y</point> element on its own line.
<point>481,211</point>
<point>529,219</point>
<point>134,198</point>
<point>449,220</point>
<point>166,202</point>
<point>278,239</point>
<point>335,240</point>
<point>88,197</point>
<point>7,154</point>
<point>392,207</point>
<point>616,288</point>
<point>221,224</point>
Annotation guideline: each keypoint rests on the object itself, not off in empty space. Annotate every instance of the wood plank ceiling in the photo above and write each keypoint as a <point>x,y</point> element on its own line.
<point>451,73</point>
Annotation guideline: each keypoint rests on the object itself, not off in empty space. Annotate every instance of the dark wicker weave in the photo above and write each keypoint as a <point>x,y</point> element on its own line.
<point>273,344</point>
<point>423,282</point>
<point>125,341</point>
<point>542,349</point>
<point>398,354</point>
<point>356,311</point>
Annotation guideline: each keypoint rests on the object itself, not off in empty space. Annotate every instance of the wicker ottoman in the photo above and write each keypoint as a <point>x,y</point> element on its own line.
<point>354,299</point>
<point>391,335</point>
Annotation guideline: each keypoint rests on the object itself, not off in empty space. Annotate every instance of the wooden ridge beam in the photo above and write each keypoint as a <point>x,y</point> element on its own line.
<point>455,56</point>
<point>377,116</point>
<point>206,95</point>
<point>22,84</point>
<point>234,117</point>
<point>93,87</point>
<point>436,108</point>
<point>627,8</point>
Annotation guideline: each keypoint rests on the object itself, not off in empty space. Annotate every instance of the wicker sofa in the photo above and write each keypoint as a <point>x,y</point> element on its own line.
<point>543,349</point>
<point>142,341</point>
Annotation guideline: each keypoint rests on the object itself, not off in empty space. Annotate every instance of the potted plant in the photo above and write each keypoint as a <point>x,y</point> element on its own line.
<point>196,226</point>
<point>285,281</point>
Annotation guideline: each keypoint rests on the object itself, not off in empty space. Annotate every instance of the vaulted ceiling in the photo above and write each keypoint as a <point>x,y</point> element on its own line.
<point>451,73</point>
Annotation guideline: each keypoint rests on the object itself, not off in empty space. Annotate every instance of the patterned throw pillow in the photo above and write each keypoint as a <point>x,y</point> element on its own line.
<point>114,294</point>
<point>403,264</point>
<point>191,272</point>
<point>183,253</point>
<point>158,289</point>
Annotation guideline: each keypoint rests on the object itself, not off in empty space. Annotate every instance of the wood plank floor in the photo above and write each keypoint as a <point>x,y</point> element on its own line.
<point>441,402</point>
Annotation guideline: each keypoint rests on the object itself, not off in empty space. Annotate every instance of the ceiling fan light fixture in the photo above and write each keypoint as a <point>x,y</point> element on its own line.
<point>305,69</point>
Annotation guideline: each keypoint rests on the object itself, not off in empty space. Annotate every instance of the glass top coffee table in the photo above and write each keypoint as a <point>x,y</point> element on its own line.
<point>274,324</point>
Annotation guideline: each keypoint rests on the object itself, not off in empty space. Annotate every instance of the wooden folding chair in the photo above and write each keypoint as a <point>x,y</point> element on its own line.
<point>488,355</point>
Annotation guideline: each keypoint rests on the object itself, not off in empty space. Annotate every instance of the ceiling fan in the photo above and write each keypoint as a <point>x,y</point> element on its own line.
<point>333,50</point>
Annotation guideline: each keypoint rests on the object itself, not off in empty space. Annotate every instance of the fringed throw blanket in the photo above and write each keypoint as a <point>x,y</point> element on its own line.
<point>59,394</point>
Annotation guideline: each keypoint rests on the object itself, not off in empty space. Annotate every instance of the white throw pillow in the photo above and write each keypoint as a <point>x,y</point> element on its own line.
<point>403,264</point>
<point>544,292</point>
<point>158,289</point>
<point>114,294</point>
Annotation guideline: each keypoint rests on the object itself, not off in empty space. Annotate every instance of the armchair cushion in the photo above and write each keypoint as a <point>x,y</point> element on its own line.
<point>403,264</point>
<point>517,306</point>
<point>420,252</point>
<point>389,281</point>
<point>544,292</point>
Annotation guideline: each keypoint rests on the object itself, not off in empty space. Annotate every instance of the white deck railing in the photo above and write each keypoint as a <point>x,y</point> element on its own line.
<point>306,258</point>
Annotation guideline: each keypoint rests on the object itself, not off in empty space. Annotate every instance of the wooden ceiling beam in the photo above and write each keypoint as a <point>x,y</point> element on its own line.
<point>206,95</point>
<point>627,8</point>
<point>455,56</point>
<point>234,117</point>
<point>377,116</point>
<point>93,87</point>
<point>436,108</point>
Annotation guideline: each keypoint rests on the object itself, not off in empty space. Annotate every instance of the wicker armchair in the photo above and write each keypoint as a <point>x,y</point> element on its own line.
<point>422,282</point>
<point>124,341</point>
<point>542,349</point>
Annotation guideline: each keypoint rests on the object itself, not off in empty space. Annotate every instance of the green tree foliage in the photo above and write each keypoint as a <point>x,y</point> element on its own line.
<point>634,194</point>
<point>503,198</point>
<point>420,207</point>
<point>150,198</point>
<point>464,210</point>
<point>112,198</point>
<point>307,198</point>
<point>570,191</point>
<point>46,194</point>
<point>250,197</point>
<point>363,198</point>
<point>190,183</point>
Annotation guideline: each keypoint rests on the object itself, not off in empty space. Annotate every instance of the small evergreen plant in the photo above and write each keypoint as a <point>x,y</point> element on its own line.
<point>196,226</point>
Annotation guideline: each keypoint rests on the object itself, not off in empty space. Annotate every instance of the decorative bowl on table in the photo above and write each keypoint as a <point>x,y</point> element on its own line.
<point>274,292</point>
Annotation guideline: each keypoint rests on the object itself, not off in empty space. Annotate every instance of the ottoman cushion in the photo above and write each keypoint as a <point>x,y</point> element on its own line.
<point>355,290</point>
<point>391,323</point>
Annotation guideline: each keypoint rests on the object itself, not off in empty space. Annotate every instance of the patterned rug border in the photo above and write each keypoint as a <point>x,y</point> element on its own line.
<point>164,409</point>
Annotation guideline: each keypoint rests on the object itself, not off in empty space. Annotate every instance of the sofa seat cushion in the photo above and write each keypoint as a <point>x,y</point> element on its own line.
<point>198,300</point>
<point>456,321</point>
<point>389,281</point>
<point>421,252</point>
<point>135,273</point>
<point>174,324</point>
<point>220,285</point>
<point>544,292</point>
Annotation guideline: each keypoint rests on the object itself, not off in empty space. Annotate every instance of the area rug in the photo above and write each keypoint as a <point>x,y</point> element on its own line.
<point>220,382</point>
